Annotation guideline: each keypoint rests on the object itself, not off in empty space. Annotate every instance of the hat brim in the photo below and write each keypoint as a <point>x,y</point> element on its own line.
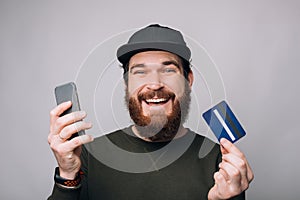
<point>125,52</point>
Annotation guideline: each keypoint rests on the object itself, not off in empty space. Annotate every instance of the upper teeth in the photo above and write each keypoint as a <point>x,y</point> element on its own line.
<point>155,100</point>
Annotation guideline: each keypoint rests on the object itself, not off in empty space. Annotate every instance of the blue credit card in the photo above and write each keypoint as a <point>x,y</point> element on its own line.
<point>223,122</point>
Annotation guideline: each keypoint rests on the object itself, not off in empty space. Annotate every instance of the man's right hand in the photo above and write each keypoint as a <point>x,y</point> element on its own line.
<point>67,152</point>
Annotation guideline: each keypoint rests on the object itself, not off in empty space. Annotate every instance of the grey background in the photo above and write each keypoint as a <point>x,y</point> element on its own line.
<point>255,45</point>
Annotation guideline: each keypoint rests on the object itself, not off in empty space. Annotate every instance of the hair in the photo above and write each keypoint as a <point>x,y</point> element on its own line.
<point>186,65</point>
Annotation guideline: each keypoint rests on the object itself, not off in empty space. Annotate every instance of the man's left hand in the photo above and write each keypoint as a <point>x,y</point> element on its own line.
<point>234,175</point>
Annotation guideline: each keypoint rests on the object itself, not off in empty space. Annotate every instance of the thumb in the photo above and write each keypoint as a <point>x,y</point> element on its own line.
<point>223,150</point>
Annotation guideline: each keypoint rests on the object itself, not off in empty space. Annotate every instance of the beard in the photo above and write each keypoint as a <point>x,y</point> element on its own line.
<point>159,126</point>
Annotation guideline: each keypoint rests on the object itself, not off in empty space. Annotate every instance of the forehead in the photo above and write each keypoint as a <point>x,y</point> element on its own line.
<point>155,57</point>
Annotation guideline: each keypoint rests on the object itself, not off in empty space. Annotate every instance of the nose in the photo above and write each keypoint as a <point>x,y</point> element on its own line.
<point>155,86</point>
<point>154,82</point>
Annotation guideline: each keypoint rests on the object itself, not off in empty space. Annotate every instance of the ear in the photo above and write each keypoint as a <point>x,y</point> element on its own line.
<point>191,78</point>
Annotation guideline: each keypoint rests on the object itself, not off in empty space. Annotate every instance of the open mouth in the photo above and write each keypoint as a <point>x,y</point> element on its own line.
<point>157,98</point>
<point>156,101</point>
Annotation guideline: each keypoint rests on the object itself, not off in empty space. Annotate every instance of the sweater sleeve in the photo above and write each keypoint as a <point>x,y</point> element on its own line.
<point>66,194</point>
<point>239,197</point>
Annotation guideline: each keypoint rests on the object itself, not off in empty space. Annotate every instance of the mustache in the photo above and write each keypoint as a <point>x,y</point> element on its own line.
<point>157,94</point>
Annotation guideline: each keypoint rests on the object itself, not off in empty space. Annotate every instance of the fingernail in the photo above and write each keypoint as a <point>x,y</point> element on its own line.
<point>223,157</point>
<point>217,175</point>
<point>67,102</point>
<point>223,141</point>
<point>82,113</point>
<point>86,138</point>
<point>89,124</point>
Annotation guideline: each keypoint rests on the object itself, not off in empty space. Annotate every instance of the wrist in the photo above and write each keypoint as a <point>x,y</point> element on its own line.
<point>72,183</point>
<point>67,175</point>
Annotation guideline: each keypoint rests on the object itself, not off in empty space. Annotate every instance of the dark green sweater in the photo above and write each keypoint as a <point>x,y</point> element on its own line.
<point>187,178</point>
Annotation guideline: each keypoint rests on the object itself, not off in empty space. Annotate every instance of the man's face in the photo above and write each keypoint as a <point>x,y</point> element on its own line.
<point>158,95</point>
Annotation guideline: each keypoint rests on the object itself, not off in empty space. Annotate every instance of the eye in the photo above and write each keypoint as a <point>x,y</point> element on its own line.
<point>169,70</point>
<point>139,72</point>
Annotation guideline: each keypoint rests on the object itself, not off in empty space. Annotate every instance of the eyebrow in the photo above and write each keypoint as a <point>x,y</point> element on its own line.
<point>165,63</point>
<point>136,66</point>
<point>171,62</point>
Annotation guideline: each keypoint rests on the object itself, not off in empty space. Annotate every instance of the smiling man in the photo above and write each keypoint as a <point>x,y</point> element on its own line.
<point>158,95</point>
<point>158,81</point>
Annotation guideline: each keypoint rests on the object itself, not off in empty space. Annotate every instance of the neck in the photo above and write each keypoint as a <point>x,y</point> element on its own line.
<point>181,132</point>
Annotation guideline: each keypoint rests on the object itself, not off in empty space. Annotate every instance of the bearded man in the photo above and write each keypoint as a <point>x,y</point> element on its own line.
<point>158,81</point>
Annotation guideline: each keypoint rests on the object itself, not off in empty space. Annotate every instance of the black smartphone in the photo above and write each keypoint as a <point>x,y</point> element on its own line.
<point>68,92</point>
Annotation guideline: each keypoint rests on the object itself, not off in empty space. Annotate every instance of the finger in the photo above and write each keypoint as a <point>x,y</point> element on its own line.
<point>68,119</point>
<point>250,174</point>
<point>220,181</point>
<point>229,147</point>
<point>238,162</point>
<point>72,144</point>
<point>241,164</point>
<point>234,174</point>
<point>58,110</point>
<point>224,173</point>
<point>71,129</point>
<point>239,180</point>
<point>223,150</point>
